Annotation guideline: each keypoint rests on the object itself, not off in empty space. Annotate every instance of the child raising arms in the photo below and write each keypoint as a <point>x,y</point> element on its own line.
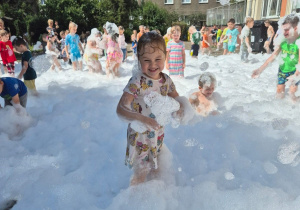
<point>143,148</point>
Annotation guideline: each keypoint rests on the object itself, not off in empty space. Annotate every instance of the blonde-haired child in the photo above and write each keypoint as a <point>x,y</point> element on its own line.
<point>167,36</point>
<point>72,46</point>
<point>175,53</point>
<point>246,39</point>
<point>143,148</point>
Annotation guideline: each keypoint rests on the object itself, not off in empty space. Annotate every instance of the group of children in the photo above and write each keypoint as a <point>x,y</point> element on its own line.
<point>143,148</point>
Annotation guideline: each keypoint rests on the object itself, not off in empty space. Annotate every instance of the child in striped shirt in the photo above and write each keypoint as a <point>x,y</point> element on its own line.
<point>175,53</point>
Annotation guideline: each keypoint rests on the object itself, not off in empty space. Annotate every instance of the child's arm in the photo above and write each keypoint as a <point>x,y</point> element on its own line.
<point>258,71</point>
<point>206,42</point>
<point>124,111</point>
<point>174,94</point>
<point>24,69</point>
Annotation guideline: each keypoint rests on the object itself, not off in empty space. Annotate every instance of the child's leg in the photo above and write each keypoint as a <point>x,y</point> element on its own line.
<point>98,66</point>
<point>139,176</point>
<point>116,69</point>
<point>56,62</point>
<point>293,90</point>
<point>11,68</point>
<point>74,64</point>
<point>80,65</point>
<point>280,91</point>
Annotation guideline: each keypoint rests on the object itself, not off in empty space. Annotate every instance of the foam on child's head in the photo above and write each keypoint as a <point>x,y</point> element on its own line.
<point>206,80</point>
<point>153,40</point>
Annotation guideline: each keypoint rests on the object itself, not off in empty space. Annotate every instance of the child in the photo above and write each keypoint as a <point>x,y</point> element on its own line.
<point>133,46</point>
<point>92,52</point>
<point>195,39</point>
<point>50,28</point>
<point>270,33</point>
<point>122,43</point>
<point>214,35</point>
<point>246,39</point>
<point>44,42</point>
<point>7,53</point>
<point>14,93</point>
<point>142,31</point>
<point>205,43</point>
<point>202,100</point>
<point>134,32</point>
<point>63,53</point>
<point>53,52</point>
<point>290,58</point>
<point>72,47</point>
<point>219,34</point>
<point>232,34</point>
<point>27,72</point>
<point>202,32</point>
<point>167,36</point>
<point>175,53</point>
<point>114,53</point>
<point>147,29</point>
<point>143,148</point>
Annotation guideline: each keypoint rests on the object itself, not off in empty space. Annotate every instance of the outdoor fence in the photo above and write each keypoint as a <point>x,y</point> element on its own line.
<point>221,15</point>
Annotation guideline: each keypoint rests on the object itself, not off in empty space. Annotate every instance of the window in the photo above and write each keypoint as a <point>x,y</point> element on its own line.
<point>186,1</point>
<point>271,8</point>
<point>203,1</point>
<point>169,2</point>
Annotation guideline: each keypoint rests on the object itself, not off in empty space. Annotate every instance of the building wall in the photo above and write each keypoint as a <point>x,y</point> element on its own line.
<point>187,9</point>
<point>257,7</point>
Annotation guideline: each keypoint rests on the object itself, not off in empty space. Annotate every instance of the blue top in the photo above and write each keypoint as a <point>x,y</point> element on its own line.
<point>133,43</point>
<point>12,87</point>
<point>73,42</point>
<point>232,36</point>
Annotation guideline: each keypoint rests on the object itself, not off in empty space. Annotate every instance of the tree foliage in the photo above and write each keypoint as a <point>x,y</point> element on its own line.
<point>29,16</point>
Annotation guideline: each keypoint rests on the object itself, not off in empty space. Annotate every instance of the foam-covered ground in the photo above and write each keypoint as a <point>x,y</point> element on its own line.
<point>69,152</point>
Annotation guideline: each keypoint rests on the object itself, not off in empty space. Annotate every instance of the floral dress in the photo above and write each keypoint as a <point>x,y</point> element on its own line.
<point>143,148</point>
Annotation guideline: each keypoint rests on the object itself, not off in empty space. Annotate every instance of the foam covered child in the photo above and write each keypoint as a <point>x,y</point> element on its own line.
<point>144,147</point>
<point>204,101</point>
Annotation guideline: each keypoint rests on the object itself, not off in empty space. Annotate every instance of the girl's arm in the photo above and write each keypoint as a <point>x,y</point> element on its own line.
<point>258,71</point>
<point>124,111</point>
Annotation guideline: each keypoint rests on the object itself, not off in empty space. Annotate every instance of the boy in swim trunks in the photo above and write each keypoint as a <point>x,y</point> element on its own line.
<point>270,34</point>
<point>72,46</point>
<point>290,50</point>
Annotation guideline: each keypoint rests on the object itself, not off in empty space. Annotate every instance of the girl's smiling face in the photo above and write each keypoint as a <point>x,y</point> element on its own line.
<point>152,61</point>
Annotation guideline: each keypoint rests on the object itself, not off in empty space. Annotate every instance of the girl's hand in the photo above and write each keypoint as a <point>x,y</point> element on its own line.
<point>256,73</point>
<point>183,65</point>
<point>151,124</point>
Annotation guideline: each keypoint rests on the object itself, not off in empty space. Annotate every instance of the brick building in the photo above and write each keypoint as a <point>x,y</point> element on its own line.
<point>187,7</point>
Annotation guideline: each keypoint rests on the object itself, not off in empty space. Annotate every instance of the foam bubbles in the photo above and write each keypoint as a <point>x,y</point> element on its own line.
<point>288,153</point>
<point>279,124</point>
<point>270,168</point>
<point>85,124</point>
<point>190,143</point>
<point>229,176</point>
<point>204,66</point>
